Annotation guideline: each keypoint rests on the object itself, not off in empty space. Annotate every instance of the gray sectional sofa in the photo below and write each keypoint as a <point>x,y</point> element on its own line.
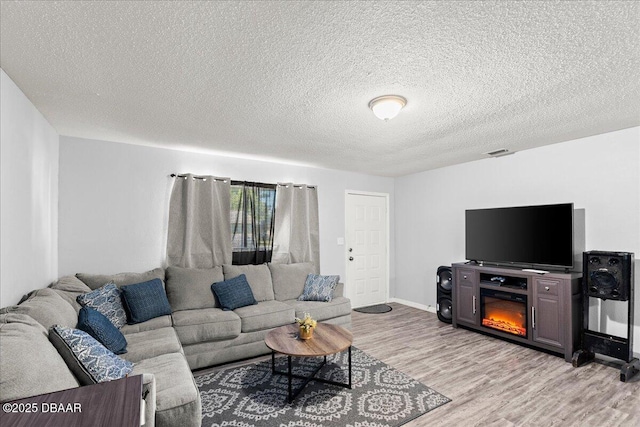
<point>165,349</point>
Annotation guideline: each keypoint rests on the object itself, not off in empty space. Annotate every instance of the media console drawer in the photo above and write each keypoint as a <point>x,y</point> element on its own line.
<point>466,276</point>
<point>546,286</point>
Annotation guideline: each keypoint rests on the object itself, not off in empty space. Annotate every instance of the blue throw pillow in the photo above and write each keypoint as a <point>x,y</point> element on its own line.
<point>98,326</point>
<point>234,293</point>
<point>90,361</point>
<point>107,301</point>
<point>319,288</point>
<point>145,301</point>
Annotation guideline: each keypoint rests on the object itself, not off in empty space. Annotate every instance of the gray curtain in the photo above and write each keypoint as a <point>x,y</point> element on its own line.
<point>199,233</point>
<point>296,229</point>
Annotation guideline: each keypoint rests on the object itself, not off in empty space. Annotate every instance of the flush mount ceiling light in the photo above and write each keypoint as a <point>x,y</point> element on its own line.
<point>387,107</point>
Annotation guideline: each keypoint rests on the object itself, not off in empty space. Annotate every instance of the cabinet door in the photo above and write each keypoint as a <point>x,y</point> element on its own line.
<point>548,312</point>
<point>466,297</point>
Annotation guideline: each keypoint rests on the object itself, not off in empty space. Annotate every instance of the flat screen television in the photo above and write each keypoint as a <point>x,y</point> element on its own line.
<point>523,236</point>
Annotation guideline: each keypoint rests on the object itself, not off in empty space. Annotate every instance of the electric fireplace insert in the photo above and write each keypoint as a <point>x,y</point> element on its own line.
<point>504,311</point>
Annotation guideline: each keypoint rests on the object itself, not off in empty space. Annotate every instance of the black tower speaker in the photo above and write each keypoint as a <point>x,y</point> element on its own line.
<point>608,274</point>
<point>444,283</point>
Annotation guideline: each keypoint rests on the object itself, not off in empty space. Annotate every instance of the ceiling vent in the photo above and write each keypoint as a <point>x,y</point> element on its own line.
<point>498,153</point>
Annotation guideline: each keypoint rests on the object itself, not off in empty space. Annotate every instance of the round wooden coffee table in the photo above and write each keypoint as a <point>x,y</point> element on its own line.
<point>327,339</point>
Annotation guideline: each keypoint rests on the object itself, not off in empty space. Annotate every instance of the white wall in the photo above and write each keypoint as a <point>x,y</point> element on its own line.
<point>600,174</point>
<point>28,196</point>
<point>114,202</point>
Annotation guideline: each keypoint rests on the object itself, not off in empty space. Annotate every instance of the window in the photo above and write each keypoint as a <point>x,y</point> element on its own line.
<point>252,213</point>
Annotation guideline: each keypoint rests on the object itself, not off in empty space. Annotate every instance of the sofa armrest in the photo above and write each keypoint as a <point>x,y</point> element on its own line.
<point>149,396</point>
<point>339,291</point>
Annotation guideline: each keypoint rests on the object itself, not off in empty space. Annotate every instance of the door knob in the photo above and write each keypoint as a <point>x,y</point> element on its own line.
<point>350,258</point>
<point>350,249</point>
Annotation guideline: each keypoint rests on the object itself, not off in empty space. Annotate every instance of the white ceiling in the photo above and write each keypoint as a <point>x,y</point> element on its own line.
<point>290,81</point>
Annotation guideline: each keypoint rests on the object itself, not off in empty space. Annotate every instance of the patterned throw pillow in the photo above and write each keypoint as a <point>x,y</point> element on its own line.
<point>90,361</point>
<point>234,293</point>
<point>98,326</point>
<point>319,288</point>
<point>145,301</point>
<point>107,301</point>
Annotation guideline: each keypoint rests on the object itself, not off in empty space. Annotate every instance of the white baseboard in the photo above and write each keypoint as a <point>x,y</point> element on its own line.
<point>429,308</point>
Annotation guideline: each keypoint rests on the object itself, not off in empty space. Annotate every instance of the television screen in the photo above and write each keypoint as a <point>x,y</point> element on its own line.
<point>524,235</point>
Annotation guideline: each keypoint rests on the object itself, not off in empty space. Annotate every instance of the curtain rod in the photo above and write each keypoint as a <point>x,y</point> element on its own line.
<point>313,187</point>
<point>204,178</point>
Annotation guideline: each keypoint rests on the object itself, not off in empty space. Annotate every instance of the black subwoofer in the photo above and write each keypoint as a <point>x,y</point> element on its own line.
<point>608,274</point>
<point>444,283</point>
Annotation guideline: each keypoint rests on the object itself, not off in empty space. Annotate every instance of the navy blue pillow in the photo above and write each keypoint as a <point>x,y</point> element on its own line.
<point>234,293</point>
<point>99,327</point>
<point>145,301</point>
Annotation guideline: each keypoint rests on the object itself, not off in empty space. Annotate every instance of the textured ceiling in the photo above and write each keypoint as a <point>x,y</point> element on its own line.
<point>291,81</point>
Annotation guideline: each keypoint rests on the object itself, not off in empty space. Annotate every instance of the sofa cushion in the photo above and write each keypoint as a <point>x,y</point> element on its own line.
<point>339,306</point>
<point>48,308</point>
<point>156,323</point>
<point>69,287</point>
<point>145,301</point>
<point>233,293</point>
<point>258,276</point>
<point>70,284</point>
<point>98,326</point>
<point>206,324</point>
<point>106,300</point>
<point>319,288</point>
<point>265,315</point>
<point>288,279</point>
<point>146,344</point>
<point>70,298</point>
<point>190,288</point>
<point>29,363</point>
<point>94,281</point>
<point>177,398</point>
<point>90,361</point>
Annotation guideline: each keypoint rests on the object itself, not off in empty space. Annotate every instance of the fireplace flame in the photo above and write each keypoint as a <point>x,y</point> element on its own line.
<point>505,326</point>
<point>505,316</point>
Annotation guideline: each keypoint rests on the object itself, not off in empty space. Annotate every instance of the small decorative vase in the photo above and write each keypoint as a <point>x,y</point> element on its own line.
<point>306,333</point>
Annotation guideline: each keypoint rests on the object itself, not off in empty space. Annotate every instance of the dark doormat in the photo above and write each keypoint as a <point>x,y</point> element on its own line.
<point>374,309</point>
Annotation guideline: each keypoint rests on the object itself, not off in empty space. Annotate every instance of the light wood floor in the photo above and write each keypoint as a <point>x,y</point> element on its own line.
<point>492,382</point>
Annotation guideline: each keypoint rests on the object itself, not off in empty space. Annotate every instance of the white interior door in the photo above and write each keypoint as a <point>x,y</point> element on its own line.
<point>367,241</point>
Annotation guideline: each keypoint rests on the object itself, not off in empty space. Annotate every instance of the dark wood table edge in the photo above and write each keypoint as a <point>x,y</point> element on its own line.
<point>93,406</point>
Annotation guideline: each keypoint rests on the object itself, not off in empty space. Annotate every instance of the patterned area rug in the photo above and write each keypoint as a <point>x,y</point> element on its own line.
<point>252,396</point>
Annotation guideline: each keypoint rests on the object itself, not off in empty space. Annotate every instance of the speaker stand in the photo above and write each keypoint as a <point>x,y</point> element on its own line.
<point>609,345</point>
<point>582,357</point>
<point>629,369</point>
